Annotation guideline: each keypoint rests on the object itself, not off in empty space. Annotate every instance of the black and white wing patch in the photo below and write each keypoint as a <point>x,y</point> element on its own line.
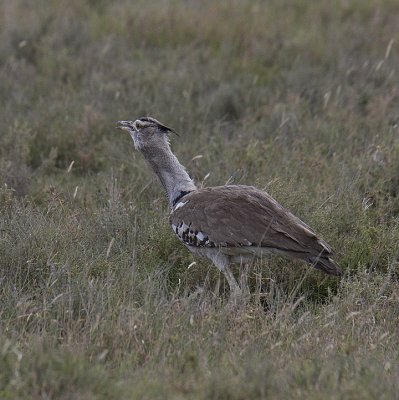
<point>191,237</point>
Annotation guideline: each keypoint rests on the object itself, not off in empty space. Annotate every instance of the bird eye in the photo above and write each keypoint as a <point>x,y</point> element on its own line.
<point>140,124</point>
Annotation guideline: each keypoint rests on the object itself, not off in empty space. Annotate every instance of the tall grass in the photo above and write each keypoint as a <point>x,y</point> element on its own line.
<point>96,297</point>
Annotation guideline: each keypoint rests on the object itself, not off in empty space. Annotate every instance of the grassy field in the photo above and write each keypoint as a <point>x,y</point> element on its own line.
<point>299,98</point>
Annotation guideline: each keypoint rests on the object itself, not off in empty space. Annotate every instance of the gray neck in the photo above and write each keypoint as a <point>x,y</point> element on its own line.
<point>171,173</point>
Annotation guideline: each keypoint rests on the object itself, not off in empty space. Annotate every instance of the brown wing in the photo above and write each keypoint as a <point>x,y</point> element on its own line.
<point>238,216</point>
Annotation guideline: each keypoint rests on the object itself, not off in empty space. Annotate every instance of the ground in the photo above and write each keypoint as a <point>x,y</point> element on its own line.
<point>296,97</point>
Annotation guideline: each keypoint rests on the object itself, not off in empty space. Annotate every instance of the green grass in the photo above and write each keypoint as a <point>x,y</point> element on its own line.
<point>296,97</point>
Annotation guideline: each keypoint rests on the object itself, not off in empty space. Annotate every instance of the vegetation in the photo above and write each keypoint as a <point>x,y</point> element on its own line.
<point>96,298</point>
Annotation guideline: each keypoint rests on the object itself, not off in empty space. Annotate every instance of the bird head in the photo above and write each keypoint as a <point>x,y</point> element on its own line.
<point>146,132</point>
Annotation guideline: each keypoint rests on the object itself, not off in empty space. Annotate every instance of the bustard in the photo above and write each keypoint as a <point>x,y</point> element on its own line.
<point>226,224</point>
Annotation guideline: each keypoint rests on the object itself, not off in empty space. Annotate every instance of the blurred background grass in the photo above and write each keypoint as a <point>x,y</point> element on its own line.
<point>296,97</point>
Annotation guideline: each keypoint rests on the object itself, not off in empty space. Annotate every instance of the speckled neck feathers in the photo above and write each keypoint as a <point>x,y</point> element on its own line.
<point>171,173</point>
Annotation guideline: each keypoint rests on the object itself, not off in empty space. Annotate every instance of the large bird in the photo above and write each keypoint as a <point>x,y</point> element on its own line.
<point>226,224</point>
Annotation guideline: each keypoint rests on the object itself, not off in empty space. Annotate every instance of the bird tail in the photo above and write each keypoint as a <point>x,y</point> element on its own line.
<point>326,264</point>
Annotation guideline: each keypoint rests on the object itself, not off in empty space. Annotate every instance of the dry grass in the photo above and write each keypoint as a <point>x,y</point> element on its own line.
<point>298,98</point>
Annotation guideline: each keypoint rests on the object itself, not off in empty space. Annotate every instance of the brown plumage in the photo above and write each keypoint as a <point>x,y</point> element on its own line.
<point>226,224</point>
<point>250,221</point>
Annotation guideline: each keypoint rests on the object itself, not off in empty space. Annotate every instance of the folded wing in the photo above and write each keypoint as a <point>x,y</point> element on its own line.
<point>243,216</point>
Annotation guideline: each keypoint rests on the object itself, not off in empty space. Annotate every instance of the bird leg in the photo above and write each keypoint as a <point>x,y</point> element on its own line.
<point>221,261</point>
<point>234,287</point>
<point>244,268</point>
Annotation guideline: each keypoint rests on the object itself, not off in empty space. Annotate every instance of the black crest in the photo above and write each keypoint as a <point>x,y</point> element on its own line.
<point>161,127</point>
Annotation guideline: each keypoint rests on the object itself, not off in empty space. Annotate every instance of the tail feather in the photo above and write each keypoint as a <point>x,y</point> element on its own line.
<point>326,264</point>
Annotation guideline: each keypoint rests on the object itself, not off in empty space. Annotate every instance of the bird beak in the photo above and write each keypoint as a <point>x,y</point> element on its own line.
<point>125,125</point>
